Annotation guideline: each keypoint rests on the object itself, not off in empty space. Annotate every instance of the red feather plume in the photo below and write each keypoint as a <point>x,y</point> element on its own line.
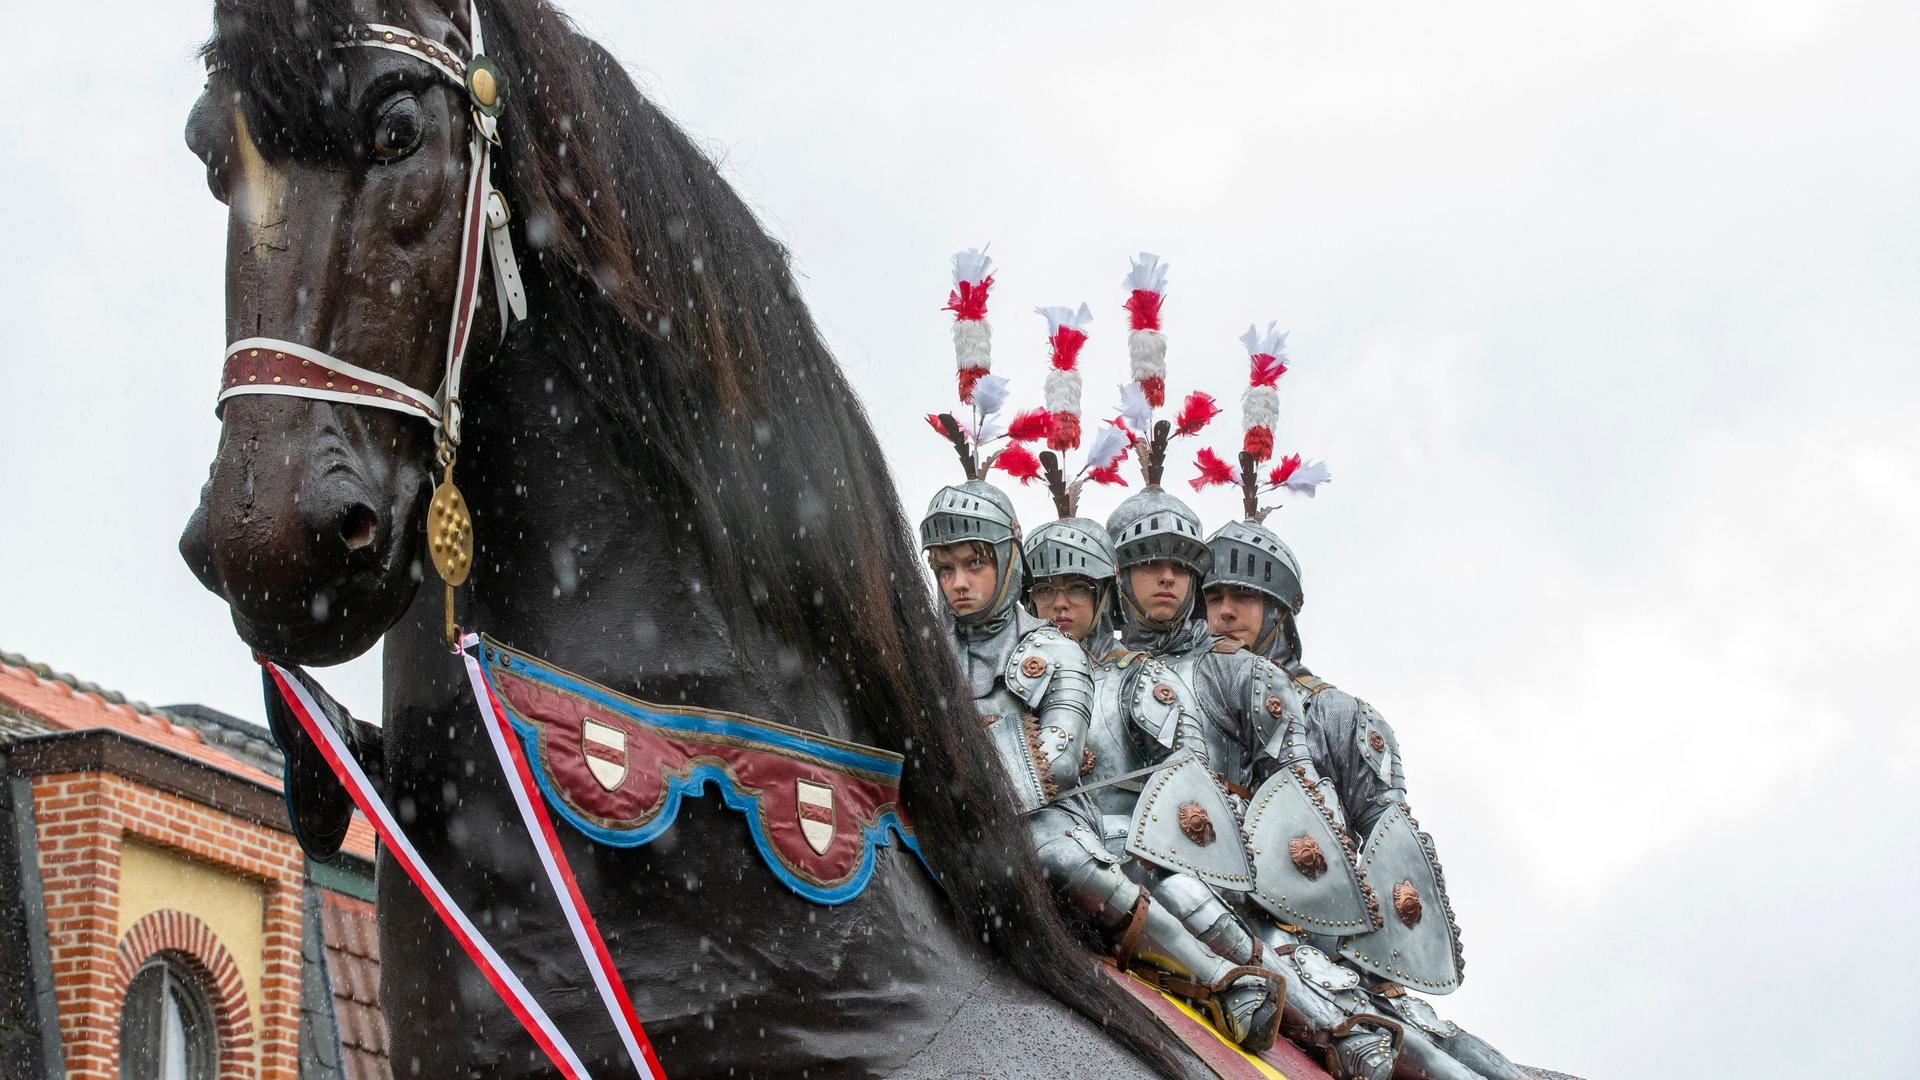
<point>1285,469</point>
<point>933,421</point>
<point>969,300</point>
<point>1266,370</point>
<point>1155,388</point>
<point>1030,425</point>
<point>1259,443</point>
<point>1143,309</point>
<point>1066,432</point>
<point>1018,462</point>
<point>1108,475</point>
<point>1066,347</point>
<point>1195,413</point>
<point>1212,470</point>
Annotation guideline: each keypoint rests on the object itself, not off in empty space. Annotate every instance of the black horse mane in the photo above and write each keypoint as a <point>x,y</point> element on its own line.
<point>693,343</point>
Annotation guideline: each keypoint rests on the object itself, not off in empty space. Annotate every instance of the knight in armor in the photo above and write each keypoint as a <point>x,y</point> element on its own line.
<point>1252,725</point>
<point>1253,596</point>
<point>1033,691</point>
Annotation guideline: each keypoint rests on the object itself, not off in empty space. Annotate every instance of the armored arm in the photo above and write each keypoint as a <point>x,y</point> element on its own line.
<point>1053,677</point>
<point>1356,749</point>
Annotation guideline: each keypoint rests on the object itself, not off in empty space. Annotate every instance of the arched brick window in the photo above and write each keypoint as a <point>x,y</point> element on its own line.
<point>170,945</point>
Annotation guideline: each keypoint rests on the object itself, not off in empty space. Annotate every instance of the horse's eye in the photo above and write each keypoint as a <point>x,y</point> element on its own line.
<point>396,129</point>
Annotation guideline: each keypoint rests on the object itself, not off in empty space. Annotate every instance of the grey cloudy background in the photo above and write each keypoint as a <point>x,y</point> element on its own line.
<point>1604,317</point>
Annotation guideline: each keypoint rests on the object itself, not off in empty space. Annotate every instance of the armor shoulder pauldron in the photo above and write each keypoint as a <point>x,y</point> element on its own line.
<point>1033,663</point>
<point>1375,740</point>
<point>1275,707</point>
<point>1159,696</point>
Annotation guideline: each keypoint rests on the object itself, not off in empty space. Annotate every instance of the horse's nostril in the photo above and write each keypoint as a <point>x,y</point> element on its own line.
<point>358,527</point>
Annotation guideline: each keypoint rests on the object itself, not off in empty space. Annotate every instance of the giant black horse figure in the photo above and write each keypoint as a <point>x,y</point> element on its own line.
<point>674,495</point>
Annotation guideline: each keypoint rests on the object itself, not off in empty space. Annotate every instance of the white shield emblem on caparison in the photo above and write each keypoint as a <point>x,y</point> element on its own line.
<point>817,816</point>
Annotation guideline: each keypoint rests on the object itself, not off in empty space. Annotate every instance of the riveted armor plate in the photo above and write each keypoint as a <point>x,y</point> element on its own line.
<point>1322,972</point>
<point>1178,797</point>
<point>1282,819</point>
<point>1416,945</point>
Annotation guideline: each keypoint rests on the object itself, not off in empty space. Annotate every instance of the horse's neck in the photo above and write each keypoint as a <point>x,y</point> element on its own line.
<point>579,566</point>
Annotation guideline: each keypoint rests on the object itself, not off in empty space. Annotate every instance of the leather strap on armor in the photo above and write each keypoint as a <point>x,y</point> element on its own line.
<point>1311,684</point>
<point>1393,1028</point>
<point>1130,937</point>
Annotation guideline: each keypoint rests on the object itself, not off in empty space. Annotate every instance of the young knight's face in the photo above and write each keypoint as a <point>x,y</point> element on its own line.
<point>1160,588</point>
<point>966,575</point>
<point>1066,601</point>
<point>1236,611</point>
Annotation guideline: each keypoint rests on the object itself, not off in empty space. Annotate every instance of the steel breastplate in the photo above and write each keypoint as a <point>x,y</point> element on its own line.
<point>1226,752</point>
<point>1114,738</point>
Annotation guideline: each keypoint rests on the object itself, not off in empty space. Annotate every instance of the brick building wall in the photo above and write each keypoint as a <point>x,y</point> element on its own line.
<point>134,834</point>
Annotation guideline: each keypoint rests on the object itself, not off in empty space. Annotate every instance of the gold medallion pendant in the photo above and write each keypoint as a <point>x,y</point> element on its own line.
<point>450,533</point>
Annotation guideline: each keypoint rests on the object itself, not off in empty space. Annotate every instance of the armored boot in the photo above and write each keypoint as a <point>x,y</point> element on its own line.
<point>1328,1012</point>
<point>1358,1044</point>
<point>1469,1050</point>
<point>1243,1000</point>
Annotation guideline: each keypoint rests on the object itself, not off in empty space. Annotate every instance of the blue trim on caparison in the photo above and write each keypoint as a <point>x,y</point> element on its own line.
<point>786,739</point>
<point>872,839</point>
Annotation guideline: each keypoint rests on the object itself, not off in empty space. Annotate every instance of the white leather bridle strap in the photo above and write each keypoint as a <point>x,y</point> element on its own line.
<point>273,366</point>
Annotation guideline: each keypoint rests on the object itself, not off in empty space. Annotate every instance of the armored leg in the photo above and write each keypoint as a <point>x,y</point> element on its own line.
<point>1080,868</point>
<point>1464,1047</point>
<point>1327,1011</point>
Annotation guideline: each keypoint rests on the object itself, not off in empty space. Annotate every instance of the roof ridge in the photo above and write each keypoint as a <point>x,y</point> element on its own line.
<point>85,686</point>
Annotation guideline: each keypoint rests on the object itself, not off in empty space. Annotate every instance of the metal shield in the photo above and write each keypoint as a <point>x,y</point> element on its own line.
<point>1418,945</point>
<point>1183,822</point>
<point>1301,871</point>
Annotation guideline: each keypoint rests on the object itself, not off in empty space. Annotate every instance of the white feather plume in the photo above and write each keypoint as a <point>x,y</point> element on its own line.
<point>1108,445</point>
<point>1058,317</point>
<point>972,344</point>
<point>1272,343</point>
<point>1148,273</point>
<point>1133,406</point>
<point>1309,476</point>
<point>1259,407</point>
<point>1062,391</point>
<point>1147,350</point>
<point>990,429</point>
<point>972,266</point>
<point>989,394</point>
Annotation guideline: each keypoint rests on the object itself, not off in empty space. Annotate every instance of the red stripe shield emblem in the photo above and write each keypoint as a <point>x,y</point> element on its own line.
<point>817,819</point>
<point>605,748</point>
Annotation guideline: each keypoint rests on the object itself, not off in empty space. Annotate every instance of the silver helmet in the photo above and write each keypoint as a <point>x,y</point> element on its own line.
<point>1250,554</point>
<point>1148,526</point>
<point>1071,546</point>
<point>1152,524</point>
<point>976,510</point>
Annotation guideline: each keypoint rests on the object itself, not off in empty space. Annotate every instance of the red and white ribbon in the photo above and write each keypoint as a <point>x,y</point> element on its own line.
<point>533,812</point>
<point>504,982</point>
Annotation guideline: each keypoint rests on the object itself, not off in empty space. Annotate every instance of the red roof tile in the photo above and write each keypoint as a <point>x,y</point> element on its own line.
<point>60,706</point>
<point>353,966</point>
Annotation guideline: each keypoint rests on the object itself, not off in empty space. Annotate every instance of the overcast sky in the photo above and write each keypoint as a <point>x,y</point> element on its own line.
<point>1605,319</point>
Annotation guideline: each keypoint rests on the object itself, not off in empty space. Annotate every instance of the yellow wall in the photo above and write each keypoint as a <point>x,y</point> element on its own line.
<point>233,907</point>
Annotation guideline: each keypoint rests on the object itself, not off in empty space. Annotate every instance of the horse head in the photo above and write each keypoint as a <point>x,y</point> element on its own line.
<point>346,175</point>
